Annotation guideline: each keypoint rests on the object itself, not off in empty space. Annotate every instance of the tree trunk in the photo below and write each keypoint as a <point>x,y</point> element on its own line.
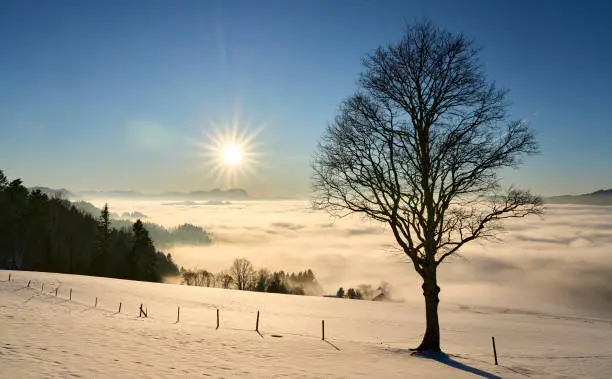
<point>431,339</point>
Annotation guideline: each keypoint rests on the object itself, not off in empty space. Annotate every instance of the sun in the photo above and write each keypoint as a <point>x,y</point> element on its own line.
<point>231,155</point>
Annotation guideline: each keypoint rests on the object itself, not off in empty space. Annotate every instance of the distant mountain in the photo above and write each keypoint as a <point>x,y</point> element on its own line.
<point>110,194</point>
<point>601,197</point>
<point>215,194</point>
<point>61,193</point>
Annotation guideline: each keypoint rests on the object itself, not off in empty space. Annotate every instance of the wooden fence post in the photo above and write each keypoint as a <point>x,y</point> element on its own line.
<point>96,304</point>
<point>323,330</point>
<point>257,323</point>
<point>29,283</point>
<point>119,311</point>
<point>9,276</point>
<point>143,312</point>
<point>494,350</point>
<point>217,318</point>
<point>42,288</point>
<point>56,288</point>
<point>178,314</point>
<point>71,294</point>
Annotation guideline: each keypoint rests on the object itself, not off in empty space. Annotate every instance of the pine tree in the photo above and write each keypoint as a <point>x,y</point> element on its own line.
<point>143,257</point>
<point>276,283</point>
<point>103,242</point>
<point>340,292</point>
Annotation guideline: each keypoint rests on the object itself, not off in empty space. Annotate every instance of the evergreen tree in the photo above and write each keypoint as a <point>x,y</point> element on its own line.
<point>103,243</point>
<point>340,292</point>
<point>263,277</point>
<point>144,258</point>
<point>277,284</point>
<point>350,293</point>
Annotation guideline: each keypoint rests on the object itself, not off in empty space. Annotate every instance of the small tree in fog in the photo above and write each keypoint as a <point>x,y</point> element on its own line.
<point>262,280</point>
<point>276,283</point>
<point>340,292</point>
<point>418,148</point>
<point>242,273</point>
<point>224,280</point>
<point>208,278</point>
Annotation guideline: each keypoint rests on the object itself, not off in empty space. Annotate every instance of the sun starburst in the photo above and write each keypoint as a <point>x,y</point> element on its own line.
<point>229,154</point>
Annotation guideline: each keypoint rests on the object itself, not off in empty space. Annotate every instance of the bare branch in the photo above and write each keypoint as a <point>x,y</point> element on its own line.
<point>420,146</point>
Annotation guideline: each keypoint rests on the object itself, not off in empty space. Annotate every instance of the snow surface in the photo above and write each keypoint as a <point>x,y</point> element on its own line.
<point>42,335</point>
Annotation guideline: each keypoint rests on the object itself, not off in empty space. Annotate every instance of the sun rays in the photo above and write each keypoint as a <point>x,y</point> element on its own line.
<point>229,153</point>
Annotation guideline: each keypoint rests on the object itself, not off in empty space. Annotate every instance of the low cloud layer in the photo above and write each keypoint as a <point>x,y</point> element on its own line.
<point>559,263</point>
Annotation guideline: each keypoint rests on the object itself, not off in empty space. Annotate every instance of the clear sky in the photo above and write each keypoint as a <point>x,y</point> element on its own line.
<point>113,94</point>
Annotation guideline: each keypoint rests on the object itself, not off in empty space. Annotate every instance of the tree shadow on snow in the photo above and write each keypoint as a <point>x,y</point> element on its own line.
<point>449,361</point>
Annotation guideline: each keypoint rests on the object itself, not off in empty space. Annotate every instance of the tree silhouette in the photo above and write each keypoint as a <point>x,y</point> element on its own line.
<point>143,254</point>
<point>103,242</point>
<point>340,292</point>
<point>224,279</point>
<point>262,280</point>
<point>418,148</point>
<point>242,273</point>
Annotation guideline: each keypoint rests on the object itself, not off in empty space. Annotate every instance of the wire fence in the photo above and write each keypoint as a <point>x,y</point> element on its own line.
<point>477,353</point>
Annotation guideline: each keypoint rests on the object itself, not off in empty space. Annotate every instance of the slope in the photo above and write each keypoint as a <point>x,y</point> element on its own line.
<point>43,335</point>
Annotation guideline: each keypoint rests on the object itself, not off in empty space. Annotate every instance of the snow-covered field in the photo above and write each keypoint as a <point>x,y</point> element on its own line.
<point>44,336</point>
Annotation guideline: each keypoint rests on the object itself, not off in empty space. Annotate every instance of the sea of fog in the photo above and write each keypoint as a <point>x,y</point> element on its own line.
<point>558,263</point>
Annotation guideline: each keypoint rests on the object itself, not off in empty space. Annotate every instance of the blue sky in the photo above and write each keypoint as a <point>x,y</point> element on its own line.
<point>112,94</point>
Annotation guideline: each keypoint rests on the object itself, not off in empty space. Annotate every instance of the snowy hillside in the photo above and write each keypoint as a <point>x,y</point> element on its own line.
<point>42,335</point>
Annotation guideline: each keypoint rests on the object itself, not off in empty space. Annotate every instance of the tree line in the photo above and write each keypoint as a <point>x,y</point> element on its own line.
<point>185,234</point>
<point>42,233</point>
<point>242,275</point>
<point>366,292</point>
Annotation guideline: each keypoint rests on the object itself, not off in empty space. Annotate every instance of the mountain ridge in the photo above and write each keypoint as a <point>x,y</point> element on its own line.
<point>599,197</point>
<point>214,194</point>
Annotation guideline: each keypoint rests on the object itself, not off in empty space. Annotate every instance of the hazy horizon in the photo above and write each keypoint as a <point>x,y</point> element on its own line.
<point>186,191</point>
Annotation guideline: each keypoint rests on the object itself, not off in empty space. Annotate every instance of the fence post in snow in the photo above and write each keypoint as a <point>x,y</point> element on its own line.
<point>178,314</point>
<point>119,311</point>
<point>29,283</point>
<point>42,288</point>
<point>494,350</point>
<point>323,330</point>
<point>96,303</point>
<point>257,323</point>
<point>71,294</point>
<point>9,276</point>
<point>142,312</point>
<point>56,288</point>
<point>217,318</point>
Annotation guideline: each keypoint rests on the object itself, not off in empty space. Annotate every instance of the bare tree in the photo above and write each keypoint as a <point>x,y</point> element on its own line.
<point>418,148</point>
<point>224,279</point>
<point>242,273</point>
